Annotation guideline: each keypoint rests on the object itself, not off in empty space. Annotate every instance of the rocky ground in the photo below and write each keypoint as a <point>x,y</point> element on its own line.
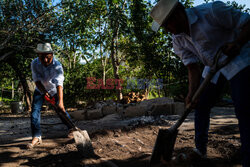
<point>116,141</point>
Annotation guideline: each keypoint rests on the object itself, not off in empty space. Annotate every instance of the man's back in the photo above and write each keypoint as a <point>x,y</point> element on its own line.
<point>211,26</point>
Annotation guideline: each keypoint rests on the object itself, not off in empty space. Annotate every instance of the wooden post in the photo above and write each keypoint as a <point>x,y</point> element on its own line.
<point>13,90</point>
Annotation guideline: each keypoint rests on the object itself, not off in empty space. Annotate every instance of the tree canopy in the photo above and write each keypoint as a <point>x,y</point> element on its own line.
<point>105,39</point>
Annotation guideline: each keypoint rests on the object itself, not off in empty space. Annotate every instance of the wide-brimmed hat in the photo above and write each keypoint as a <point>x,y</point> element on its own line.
<point>44,48</point>
<point>161,11</point>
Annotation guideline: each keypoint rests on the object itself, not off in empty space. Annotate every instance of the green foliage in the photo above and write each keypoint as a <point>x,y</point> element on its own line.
<point>238,6</point>
<point>23,24</point>
<point>235,4</point>
<point>6,73</point>
<point>6,101</point>
<point>102,39</point>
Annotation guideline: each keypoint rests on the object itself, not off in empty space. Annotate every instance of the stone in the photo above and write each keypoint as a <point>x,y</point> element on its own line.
<point>159,101</point>
<point>78,115</point>
<point>100,104</point>
<point>162,100</point>
<point>120,111</point>
<point>109,118</point>
<point>110,102</point>
<point>179,108</point>
<point>107,110</point>
<point>94,114</point>
<point>162,109</point>
<point>134,111</point>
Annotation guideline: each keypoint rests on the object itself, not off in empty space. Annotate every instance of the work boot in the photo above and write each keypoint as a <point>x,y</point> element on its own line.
<point>196,155</point>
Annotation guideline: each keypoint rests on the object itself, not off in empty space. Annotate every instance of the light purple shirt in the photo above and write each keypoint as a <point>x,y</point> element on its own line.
<point>211,26</point>
<point>50,77</point>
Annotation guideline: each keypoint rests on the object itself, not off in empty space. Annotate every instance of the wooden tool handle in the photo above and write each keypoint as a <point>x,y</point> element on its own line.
<point>194,98</point>
<point>201,88</point>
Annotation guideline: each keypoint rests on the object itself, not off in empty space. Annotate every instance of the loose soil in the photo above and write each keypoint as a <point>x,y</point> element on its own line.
<point>117,142</point>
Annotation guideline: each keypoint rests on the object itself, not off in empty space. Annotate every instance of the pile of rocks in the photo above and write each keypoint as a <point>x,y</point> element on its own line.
<point>153,107</point>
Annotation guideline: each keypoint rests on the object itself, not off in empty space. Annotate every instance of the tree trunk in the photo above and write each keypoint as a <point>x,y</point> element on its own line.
<point>69,59</point>
<point>74,60</point>
<point>74,55</point>
<point>115,65</point>
<point>22,77</point>
<point>103,57</point>
<point>114,49</point>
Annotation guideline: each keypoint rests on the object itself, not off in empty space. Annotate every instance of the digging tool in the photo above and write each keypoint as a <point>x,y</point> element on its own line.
<point>166,138</point>
<point>81,137</point>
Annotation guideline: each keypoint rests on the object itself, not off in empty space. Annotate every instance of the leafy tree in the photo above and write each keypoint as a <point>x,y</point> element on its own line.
<point>103,39</point>
<point>23,24</point>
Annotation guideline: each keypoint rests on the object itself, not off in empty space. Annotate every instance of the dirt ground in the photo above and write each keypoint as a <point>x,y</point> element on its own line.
<point>118,142</point>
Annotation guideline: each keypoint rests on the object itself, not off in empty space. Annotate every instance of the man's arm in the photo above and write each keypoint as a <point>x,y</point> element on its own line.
<point>244,35</point>
<point>60,97</point>
<point>230,18</point>
<point>42,89</point>
<point>58,81</point>
<point>194,76</point>
<point>232,49</point>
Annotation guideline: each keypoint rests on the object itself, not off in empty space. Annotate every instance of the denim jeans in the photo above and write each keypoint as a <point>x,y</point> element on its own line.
<point>37,103</point>
<point>240,86</point>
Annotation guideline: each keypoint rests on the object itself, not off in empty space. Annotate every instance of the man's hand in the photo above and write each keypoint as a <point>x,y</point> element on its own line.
<point>61,107</point>
<point>42,89</point>
<point>47,94</point>
<point>231,49</point>
<point>188,100</point>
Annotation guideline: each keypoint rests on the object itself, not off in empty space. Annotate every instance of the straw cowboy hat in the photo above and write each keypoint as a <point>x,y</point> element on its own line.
<point>44,48</point>
<point>161,11</point>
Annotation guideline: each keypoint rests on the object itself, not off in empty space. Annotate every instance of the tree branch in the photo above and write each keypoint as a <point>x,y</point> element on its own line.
<point>6,55</point>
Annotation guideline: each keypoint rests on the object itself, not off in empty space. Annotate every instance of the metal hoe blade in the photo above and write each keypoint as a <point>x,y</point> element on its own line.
<point>164,146</point>
<point>83,142</point>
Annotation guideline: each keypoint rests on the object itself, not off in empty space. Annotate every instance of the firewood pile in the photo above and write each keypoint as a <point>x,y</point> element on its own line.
<point>133,97</point>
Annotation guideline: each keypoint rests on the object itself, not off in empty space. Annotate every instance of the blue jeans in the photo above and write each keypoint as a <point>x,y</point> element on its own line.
<point>37,103</point>
<point>240,86</point>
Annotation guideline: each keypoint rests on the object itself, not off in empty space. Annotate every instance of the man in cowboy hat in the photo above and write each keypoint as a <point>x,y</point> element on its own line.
<point>47,73</point>
<point>197,34</point>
